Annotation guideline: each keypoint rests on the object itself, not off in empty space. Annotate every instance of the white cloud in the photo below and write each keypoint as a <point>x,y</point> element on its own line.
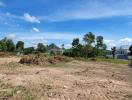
<point>49,36</point>
<point>125,41</point>
<point>110,43</point>
<point>84,9</point>
<point>91,9</point>
<point>8,15</point>
<point>26,17</point>
<point>121,42</point>
<point>30,18</point>
<point>2,4</point>
<point>35,29</point>
<point>11,36</point>
<point>28,38</point>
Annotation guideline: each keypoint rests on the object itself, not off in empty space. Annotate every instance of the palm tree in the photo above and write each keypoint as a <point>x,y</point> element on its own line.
<point>113,52</point>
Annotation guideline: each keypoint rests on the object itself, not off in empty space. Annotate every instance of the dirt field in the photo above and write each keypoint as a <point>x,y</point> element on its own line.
<point>75,80</point>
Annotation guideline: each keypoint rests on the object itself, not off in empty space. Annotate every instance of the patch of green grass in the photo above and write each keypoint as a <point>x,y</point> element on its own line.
<point>28,98</point>
<point>101,59</point>
<point>115,61</point>
<point>82,59</point>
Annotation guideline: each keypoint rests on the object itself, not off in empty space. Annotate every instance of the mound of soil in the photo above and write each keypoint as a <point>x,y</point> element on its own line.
<point>41,60</point>
<point>32,60</point>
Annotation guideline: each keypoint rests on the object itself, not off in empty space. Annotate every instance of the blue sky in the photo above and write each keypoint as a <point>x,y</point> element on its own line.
<point>60,21</point>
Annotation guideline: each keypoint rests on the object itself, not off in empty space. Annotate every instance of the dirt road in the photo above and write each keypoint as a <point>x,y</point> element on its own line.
<point>76,80</point>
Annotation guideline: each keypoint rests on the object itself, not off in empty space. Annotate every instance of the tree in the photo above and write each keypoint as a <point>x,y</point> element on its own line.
<point>3,46</point>
<point>76,48</point>
<point>104,47</point>
<point>52,46</point>
<point>130,49</point>
<point>41,48</point>
<point>10,45</point>
<point>100,43</point>
<point>88,51</point>
<point>100,46</point>
<point>7,45</point>
<point>89,38</point>
<point>113,52</point>
<point>20,45</point>
<point>29,50</point>
<point>75,43</point>
<point>102,51</point>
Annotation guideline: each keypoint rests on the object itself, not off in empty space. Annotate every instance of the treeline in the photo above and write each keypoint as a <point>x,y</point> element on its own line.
<point>93,46</point>
<point>7,45</point>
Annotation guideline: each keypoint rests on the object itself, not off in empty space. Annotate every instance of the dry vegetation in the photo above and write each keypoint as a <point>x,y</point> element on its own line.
<point>74,80</point>
<point>42,60</point>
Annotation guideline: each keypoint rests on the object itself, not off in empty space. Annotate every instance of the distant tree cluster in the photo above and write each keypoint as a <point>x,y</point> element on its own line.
<point>7,45</point>
<point>93,46</point>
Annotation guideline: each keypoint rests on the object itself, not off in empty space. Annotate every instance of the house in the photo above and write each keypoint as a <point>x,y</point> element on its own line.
<point>121,52</point>
<point>53,49</point>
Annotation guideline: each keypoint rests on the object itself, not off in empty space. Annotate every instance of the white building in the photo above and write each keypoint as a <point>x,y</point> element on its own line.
<point>121,52</point>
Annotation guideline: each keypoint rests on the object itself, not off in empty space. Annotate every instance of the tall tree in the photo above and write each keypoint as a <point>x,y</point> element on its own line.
<point>113,52</point>
<point>100,43</point>
<point>76,47</point>
<point>20,45</point>
<point>41,48</point>
<point>89,38</point>
<point>75,42</point>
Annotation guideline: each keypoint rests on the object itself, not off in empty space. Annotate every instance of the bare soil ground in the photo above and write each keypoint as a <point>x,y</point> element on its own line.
<point>75,80</point>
